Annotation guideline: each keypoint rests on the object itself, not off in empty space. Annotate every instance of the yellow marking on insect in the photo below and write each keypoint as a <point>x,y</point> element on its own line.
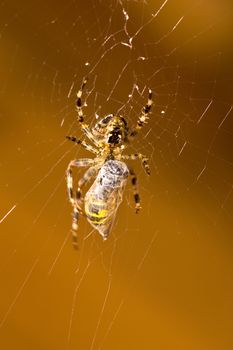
<point>100,222</point>
<point>100,215</point>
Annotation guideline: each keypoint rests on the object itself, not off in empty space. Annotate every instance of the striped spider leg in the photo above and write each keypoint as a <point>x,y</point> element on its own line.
<point>79,107</point>
<point>76,199</point>
<point>136,156</point>
<point>145,165</point>
<point>134,183</point>
<point>143,117</point>
<point>84,144</point>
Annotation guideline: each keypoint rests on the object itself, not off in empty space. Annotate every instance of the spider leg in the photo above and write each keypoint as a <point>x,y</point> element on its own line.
<point>69,175</point>
<point>86,130</point>
<point>144,160</point>
<point>79,106</point>
<point>135,189</point>
<point>143,117</point>
<point>79,101</point>
<point>83,144</point>
<point>72,198</point>
<point>75,227</point>
<point>86,177</point>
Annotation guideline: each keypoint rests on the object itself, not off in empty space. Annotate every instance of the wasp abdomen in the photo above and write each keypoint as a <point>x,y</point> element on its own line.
<point>105,195</point>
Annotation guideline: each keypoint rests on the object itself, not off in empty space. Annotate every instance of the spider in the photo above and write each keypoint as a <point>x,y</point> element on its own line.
<point>109,137</point>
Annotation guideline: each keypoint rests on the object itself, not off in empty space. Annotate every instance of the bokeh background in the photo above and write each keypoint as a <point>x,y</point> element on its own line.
<point>164,278</point>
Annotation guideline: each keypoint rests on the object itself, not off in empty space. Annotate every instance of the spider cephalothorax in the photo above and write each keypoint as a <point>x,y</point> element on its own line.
<point>111,130</point>
<point>109,136</point>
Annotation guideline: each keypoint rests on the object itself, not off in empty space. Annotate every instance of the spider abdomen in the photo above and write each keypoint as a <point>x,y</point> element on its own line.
<point>105,195</point>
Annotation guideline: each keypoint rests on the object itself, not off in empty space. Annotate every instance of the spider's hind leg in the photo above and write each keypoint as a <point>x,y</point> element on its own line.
<point>135,190</point>
<point>86,177</point>
<point>79,202</point>
<point>75,227</point>
<point>69,176</point>
<point>76,202</point>
<point>141,157</point>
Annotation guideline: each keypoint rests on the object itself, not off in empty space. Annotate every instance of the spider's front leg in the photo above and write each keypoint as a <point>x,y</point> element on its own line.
<point>79,101</point>
<point>79,106</point>
<point>144,160</point>
<point>83,144</point>
<point>143,117</point>
<point>75,199</point>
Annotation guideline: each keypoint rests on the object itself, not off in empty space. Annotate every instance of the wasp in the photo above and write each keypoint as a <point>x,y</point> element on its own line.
<point>105,195</point>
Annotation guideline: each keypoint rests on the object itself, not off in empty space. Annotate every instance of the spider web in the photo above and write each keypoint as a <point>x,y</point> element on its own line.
<point>165,271</point>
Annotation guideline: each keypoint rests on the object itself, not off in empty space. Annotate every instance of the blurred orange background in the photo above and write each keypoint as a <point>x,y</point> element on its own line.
<point>163,279</point>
